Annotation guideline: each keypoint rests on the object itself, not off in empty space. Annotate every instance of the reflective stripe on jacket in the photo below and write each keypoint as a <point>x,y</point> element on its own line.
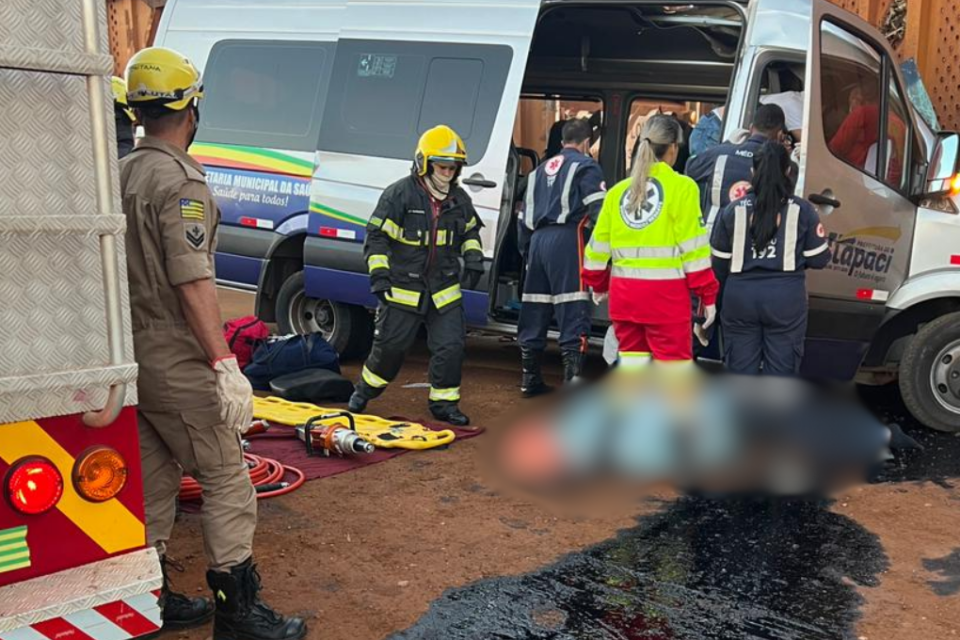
<point>411,251</point>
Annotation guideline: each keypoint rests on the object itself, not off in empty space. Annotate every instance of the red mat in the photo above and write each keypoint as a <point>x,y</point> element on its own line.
<point>291,452</point>
<point>285,448</point>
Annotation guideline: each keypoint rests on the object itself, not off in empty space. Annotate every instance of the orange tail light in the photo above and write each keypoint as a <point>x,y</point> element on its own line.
<point>100,474</point>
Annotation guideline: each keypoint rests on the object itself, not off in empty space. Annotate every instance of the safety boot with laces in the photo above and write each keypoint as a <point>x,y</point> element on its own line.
<point>241,614</point>
<point>178,611</point>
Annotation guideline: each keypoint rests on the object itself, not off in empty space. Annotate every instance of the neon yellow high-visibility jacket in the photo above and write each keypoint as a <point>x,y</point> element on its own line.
<point>660,251</point>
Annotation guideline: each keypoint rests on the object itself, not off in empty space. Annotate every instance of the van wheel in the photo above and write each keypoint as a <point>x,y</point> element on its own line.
<point>930,374</point>
<point>347,328</point>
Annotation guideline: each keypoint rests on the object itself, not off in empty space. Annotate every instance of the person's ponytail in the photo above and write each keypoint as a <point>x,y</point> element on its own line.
<point>771,186</point>
<point>658,133</point>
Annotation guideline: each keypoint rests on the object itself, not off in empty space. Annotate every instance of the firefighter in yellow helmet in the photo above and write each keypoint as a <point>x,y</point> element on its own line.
<point>422,226</point>
<point>194,402</point>
<point>123,117</point>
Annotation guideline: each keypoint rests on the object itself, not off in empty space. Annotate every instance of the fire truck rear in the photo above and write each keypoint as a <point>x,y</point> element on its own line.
<point>73,558</point>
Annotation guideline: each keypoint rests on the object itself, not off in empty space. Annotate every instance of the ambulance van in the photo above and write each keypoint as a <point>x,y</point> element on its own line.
<point>314,107</point>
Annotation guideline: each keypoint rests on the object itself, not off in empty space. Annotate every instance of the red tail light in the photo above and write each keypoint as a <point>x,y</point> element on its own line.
<point>33,486</point>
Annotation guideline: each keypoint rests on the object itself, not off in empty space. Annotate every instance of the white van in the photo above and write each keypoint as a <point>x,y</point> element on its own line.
<point>314,107</point>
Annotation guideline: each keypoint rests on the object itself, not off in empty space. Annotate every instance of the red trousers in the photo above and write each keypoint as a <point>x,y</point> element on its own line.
<point>666,342</point>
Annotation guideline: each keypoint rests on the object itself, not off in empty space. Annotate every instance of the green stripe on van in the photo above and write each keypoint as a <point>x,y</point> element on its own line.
<point>339,215</point>
<point>267,153</point>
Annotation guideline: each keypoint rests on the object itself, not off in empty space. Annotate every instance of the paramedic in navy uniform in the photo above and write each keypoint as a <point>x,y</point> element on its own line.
<point>761,246</point>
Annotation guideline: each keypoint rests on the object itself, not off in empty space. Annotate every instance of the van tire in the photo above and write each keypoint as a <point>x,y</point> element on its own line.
<point>934,355</point>
<point>347,328</point>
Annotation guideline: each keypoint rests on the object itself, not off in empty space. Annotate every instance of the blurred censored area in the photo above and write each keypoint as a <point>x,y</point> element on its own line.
<point>636,432</point>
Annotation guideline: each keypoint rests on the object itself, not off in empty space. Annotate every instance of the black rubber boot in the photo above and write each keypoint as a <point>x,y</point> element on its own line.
<point>241,615</point>
<point>450,413</point>
<point>572,367</point>
<point>357,403</point>
<point>532,383</point>
<point>178,611</point>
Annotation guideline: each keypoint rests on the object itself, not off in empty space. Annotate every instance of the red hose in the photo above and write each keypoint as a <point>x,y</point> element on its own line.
<point>263,471</point>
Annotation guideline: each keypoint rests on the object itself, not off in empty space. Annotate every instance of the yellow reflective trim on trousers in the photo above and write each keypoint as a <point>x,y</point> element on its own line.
<point>447,296</point>
<point>378,262</point>
<point>404,296</point>
<point>471,245</point>
<point>373,379</point>
<point>109,524</point>
<point>446,395</point>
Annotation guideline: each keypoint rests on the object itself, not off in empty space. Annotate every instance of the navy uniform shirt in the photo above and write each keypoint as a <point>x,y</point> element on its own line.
<point>723,174</point>
<point>799,243</point>
<point>565,189</point>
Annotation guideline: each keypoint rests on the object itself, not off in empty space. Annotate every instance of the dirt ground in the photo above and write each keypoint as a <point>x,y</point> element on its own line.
<point>363,554</point>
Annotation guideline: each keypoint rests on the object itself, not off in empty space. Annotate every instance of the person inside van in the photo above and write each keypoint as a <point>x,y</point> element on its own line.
<point>707,133</point>
<point>651,229</point>
<point>857,139</point>
<point>422,227</point>
<point>709,130</point>
<point>761,246</point>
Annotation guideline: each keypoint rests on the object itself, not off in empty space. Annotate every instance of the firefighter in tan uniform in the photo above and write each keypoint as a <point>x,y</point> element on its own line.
<point>194,401</point>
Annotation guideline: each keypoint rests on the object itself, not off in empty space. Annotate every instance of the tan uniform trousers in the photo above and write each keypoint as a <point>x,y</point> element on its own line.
<point>197,443</point>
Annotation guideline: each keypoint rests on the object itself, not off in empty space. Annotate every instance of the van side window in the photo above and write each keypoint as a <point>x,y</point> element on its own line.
<point>266,94</point>
<point>863,126</point>
<point>383,95</point>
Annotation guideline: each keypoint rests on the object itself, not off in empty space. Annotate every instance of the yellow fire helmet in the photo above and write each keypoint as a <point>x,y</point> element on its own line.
<point>439,144</point>
<point>159,77</point>
<point>119,88</point>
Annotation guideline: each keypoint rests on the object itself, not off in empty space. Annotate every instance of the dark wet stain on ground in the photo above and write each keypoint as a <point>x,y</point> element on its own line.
<point>700,569</point>
<point>948,569</point>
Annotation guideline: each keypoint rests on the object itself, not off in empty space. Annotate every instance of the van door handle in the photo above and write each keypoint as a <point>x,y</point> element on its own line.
<point>478,181</point>
<point>825,201</point>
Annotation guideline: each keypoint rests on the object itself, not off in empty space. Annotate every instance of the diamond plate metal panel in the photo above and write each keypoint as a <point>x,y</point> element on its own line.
<point>58,61</point>
<point>48,24</point>
<point>54,353</point>
<point>53,311</point>
<point>46,151</point>
<point>64,393</point>
<point>66,592</point>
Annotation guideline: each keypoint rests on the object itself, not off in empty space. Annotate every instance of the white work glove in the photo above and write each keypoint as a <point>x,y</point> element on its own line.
<point>700,330</point>
<point>235,393</point>
<point>598,298</point>
<point>710,313</point>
